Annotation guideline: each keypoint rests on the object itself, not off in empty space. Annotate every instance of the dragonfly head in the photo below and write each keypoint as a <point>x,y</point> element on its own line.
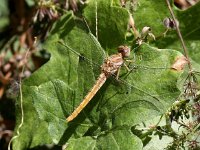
<point>124,50</point>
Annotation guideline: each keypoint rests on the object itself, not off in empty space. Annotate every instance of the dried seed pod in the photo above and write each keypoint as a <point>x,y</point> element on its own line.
<point>169,23</point>
<point>145,31</point>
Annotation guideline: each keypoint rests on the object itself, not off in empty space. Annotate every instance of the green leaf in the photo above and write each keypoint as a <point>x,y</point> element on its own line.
<point>151,87</point>
<point>108,22</point>
<point>84,143</point>
<point>117,139</point>
<point>54,90</point>
<point>151,137</point>
<point>189,26</point>
<point>60,77</point>
<point>33,131</point>
<point>152,13</point>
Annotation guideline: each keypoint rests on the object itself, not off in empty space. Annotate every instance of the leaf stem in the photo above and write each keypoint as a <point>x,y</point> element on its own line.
<point>180,35</point>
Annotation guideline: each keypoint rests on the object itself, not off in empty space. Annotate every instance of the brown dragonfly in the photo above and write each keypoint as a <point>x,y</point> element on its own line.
<point>110,67</point>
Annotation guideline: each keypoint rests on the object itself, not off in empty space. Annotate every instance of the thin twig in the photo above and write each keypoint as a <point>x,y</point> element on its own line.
<point>180,35</point>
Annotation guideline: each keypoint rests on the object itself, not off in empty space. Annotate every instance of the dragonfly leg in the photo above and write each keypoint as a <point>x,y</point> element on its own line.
<point>126,67</point>
<point>129,61</point>
<point>117,75</point>
<point>118,71</point>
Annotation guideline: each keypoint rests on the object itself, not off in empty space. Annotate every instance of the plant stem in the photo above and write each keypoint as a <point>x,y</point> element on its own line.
<point>180,35</point>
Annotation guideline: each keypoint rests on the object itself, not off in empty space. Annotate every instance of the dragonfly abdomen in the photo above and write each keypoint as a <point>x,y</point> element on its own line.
<point>100,81</point>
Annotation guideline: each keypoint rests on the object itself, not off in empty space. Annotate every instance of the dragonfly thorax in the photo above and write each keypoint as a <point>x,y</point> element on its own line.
<point>112,64</point>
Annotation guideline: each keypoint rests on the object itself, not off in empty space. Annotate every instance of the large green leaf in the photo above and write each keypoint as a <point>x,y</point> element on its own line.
<point>53,91</point>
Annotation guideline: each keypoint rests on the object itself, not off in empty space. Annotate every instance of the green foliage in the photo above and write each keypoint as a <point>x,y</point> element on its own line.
<point>54,90</point>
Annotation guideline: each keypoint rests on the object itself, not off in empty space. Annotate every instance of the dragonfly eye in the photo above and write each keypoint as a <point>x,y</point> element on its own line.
<point>124,50</point>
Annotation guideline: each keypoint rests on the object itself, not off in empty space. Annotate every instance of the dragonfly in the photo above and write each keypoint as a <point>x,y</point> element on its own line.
<point>111,66</point>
